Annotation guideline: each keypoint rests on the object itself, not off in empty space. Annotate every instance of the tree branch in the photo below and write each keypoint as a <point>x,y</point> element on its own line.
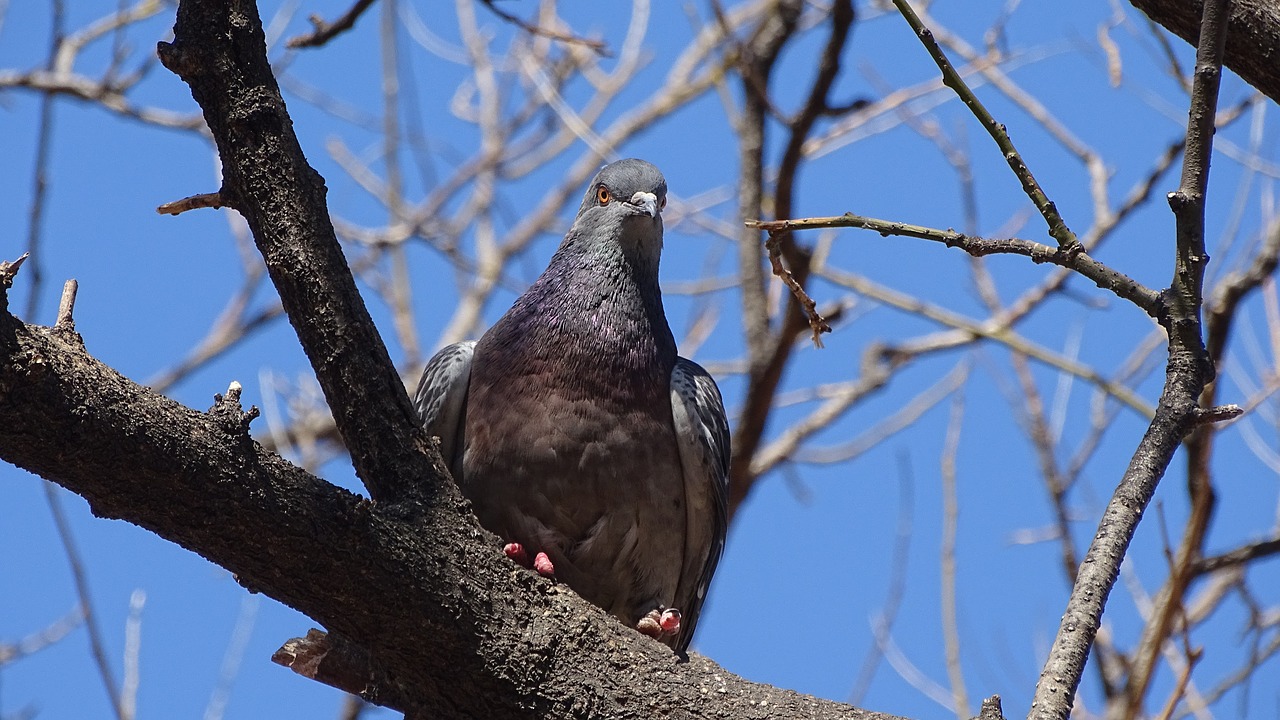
<point>323,31</point>
<point>1188,369</point>
<point>221,55</point>
<point>1067,241</point>
<point>1253,26</point>
<point>462,630</point>
<point>1079,260</point>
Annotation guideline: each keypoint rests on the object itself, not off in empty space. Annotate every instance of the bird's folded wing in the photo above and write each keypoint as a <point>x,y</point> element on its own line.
<point>702,434</point>
<point>441,399</point>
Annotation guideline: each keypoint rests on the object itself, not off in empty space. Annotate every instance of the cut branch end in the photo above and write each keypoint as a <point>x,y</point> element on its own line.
<point>1220,413</point>
<point>204,200</point>
<point>66,307</point>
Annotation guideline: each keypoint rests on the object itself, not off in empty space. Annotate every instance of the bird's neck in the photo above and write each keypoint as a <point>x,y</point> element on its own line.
<point>592,314</point>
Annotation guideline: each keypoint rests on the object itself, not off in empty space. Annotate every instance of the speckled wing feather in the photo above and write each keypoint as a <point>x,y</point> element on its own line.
<point>702,434</point>
<point>441,400</point>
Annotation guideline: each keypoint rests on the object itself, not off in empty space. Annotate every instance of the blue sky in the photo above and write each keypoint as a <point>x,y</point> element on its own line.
<point>811,554</point>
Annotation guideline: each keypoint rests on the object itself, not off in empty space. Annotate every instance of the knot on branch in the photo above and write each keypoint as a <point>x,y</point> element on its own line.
<point>1070,250</point>
<point>229,415</point>
<point>991,709</point>
<point>1178,200</point>
<point>176,59</point>
<point>1163,310</point>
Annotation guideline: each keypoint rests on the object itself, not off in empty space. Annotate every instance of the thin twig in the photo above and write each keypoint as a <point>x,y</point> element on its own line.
<point>96,646</point>
<point>213,200</point>
<point>597,46</point>
<point>233,657</point>
<point>323,32</point>
<point>996,329</point>
<point>1080,261</point>
<point>1239,556</point>
<point>132,655</point>
<point>46,637</point>
<point>1058,229</point>
<point>817,324</point>
<point>950,524</point>
<point>40,173</point>
<point>1180,689</point>
<point>897,583</point>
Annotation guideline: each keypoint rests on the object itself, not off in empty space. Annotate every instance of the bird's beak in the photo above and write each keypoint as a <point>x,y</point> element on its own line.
<point>646,202</point>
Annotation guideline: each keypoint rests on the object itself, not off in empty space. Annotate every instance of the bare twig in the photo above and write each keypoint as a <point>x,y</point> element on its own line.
<point>997,330</point>
<point>40,173</point>
<point>597,46</point>
<point>1180,688</point>
<point>1058,229</point>
<point>81,580</point>
<point>1239,556</point>
<point>231,659</point>
<point>817,324</point>
<point>1079,261</point>
<point>132,655</point>
<point>897,583</point>
<point>950,524</point>
<point>45,637</point>
<point>109,96</point>
<point>213,200</point>
<point>1217,414</point>
<point>323,31</point>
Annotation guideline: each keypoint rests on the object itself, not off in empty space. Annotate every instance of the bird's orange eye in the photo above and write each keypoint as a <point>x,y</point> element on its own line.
<point>663,205</point>
<point>603,196</point>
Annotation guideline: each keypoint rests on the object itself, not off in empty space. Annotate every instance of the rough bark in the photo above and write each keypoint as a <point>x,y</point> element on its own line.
<point>1253,36</point>
<point>219,50</point>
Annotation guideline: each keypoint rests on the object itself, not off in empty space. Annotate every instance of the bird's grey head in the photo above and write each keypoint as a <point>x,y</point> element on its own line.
<point>625,201</point>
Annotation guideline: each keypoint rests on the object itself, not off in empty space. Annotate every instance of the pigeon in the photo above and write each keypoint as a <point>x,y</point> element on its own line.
<point>581,438</point>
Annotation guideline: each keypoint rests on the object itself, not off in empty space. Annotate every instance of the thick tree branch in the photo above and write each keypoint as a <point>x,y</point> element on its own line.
<point>221,55</point>
<point>461,629</point>
<point>1253,37</point>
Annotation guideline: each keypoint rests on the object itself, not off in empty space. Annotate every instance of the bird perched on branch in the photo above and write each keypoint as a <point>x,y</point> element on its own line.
<point>581,438</point>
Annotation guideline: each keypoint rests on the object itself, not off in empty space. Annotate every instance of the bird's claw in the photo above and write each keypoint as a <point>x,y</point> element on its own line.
<point>660,623</point>
<point>541,563</point>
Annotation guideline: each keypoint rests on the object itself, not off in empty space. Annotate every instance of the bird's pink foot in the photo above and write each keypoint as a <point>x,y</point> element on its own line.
<point>660,623</point>
<point>520,556</point>
<point>543,565</point>
<point>669,621</point>
<point>516,552</point>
